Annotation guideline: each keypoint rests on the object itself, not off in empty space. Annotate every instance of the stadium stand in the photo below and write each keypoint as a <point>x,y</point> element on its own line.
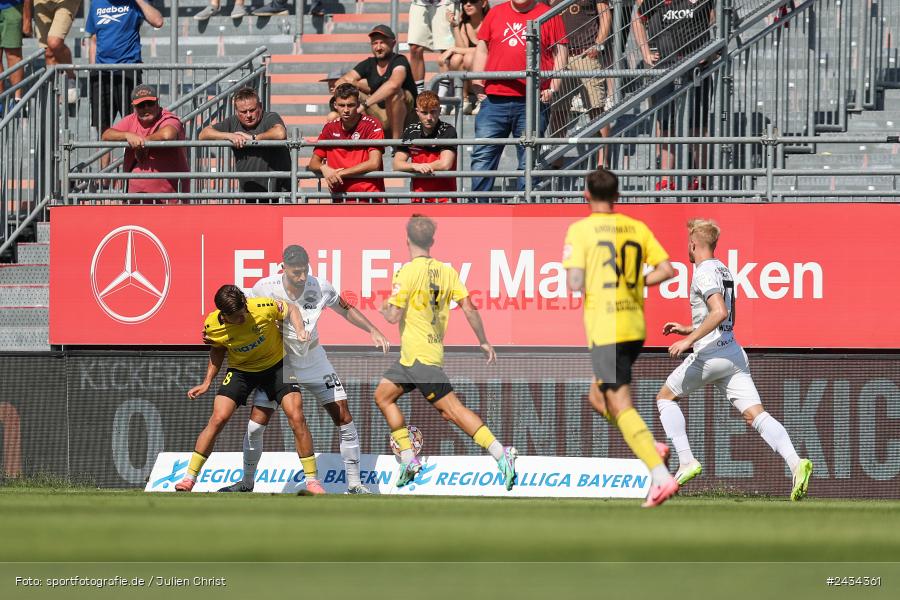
<point>826,69</point>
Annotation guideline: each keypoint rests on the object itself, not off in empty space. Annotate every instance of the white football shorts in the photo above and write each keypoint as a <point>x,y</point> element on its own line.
<point>314,374</point>
<point>730,373</point>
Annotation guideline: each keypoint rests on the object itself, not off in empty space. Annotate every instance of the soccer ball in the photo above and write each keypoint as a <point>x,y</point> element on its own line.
<point>415,436</point>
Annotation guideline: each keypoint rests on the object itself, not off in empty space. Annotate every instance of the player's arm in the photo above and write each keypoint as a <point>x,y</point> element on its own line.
<point>151,14</point>
<point>477,325</point>
<point>575,279</point>
<point>355,317</point>
<point>216,358</point>
<point>296,320</point>
<point>660,273</point>
<point>717,314</point>
<point>391,313</point>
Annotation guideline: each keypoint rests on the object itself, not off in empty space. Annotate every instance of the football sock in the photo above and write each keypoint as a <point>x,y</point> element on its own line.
<point>401,436</point>
<point>659,474</point>
<point>484,438</point>
<point>638,437</point>
<point>252,450</point>
<point>420,86</point>
<point>350,453</point>
<point>444,89</point>
<point>197,462</point>
<point>777,438</point>
<point>673,422</point>
<point>309,466</point>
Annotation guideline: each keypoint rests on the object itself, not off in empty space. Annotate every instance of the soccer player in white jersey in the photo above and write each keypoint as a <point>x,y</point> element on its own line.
<point>717,359</point>
<point>308,362</point>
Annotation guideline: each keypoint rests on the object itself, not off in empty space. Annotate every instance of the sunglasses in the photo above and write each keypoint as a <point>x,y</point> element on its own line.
<point>472,2</point>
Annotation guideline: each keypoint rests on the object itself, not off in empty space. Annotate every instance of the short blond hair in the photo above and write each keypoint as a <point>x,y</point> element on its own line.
<point>705,230</point>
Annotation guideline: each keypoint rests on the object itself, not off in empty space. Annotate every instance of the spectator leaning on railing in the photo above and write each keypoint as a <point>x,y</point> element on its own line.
<point>386,82</point>
<point>337,164</point>
<point>150,122</point>
<point>53,19</point>
<point>428,160</point>
<point>115,30</point>
<point>15,22</point>
<point>248,124</point>
<point>501,47</point>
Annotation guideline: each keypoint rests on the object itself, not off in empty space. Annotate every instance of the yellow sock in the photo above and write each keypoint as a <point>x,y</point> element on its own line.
<point>638,437</point>
<point>401,436</point>
<point>483,437</point>
<point>197,462</point>
<point>309,466</point>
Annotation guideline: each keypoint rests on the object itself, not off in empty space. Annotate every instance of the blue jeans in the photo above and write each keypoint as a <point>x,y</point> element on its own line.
<point>498,118</point>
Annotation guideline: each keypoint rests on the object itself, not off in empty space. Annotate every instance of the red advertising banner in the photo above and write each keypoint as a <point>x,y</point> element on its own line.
<point>806,275</point>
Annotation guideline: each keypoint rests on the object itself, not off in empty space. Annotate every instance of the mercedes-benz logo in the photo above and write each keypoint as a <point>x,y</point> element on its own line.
<point>130,271</point>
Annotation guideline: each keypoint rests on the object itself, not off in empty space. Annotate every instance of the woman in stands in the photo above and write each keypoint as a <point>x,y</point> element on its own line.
<point>465,26</point>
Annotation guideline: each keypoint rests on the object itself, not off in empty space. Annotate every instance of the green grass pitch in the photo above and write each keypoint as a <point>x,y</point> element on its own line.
<point>732,547</point>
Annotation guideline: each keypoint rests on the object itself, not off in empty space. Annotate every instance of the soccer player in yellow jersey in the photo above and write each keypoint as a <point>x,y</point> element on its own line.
<point>604,256</point>
<point>249,332</point>
<point>420,301</point>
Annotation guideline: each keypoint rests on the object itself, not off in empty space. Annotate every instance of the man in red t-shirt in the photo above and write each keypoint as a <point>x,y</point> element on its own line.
<point>336,164</point>
<point>428,160</point>
<point>150,123</point>
<point>501,47</point>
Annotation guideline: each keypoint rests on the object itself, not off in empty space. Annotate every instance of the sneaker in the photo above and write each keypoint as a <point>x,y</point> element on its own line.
<point>687,472</point>
<point>469,106</point>
<point>408,472</point>
<point>358,489</point>
<point>72,95</point>
<point>314,487</point>
<point>239,11</point>
<point>237,487</point>
<point>185,485</point>
<point>801,479</point>
<point>660,493</point>
<point>273,9</point>
<point>477,107</point>
<point>207,12</point>
<point>664,453</point>
<point>665,184</point>
<point>507,466</point>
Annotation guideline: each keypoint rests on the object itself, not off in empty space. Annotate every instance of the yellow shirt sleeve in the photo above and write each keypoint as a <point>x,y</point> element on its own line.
<point>655,252</point>
<point>399,290</point>
<point>573,249</point>
<point>458,291</point>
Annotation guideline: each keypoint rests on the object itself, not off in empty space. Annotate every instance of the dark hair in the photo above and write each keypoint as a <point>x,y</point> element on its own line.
<point>485,7</point>
<point>602,185</point>
<point>245,93</point>
<point>230,299</point>
<point>420,231</point>
<point>345,90</point>
<point>295,255</point>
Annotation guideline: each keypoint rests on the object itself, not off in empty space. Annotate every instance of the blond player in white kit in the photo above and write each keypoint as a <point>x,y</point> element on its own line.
<point>308,362</point>
<point>717,359</point>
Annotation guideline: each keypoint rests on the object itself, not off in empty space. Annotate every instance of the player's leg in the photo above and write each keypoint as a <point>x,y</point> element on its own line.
<point>681,383</point>
<point>741,391</point>
<point>260,414</point>
<point>284,390</point>
<point>223,408</point>
<point>386,395</point>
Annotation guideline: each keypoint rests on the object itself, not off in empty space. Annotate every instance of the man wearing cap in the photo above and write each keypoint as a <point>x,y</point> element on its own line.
<point>249,124</point>
<point>150,123</point>
<point>331,80</point>
<point>115,30</point>
<point>386,82</point>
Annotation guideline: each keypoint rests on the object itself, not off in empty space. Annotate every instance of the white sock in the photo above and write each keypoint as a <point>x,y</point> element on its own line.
<point>407,456</point>
<point>776,436</point>
<point>659,474</point>
<point>496,450</point>
<point>420,86</point>
<point>673,422</point>
<point>444,89</point>
<point>253,443</point>
<point>350,453</point>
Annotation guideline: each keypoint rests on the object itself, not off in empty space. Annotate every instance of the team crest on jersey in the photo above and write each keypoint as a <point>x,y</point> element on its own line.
<point>355,135</point>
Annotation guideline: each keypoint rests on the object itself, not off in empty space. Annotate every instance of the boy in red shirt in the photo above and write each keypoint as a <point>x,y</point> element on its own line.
<point>335,164</point>
<point>428,159</point>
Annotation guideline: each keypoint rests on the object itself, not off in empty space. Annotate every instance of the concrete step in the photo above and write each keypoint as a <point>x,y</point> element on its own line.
<point>30,339</point>
<point>24,316</point>
<point>24,295</point>
<point>19,274</point>
<point>33,253</point>
<point>43,232</point>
